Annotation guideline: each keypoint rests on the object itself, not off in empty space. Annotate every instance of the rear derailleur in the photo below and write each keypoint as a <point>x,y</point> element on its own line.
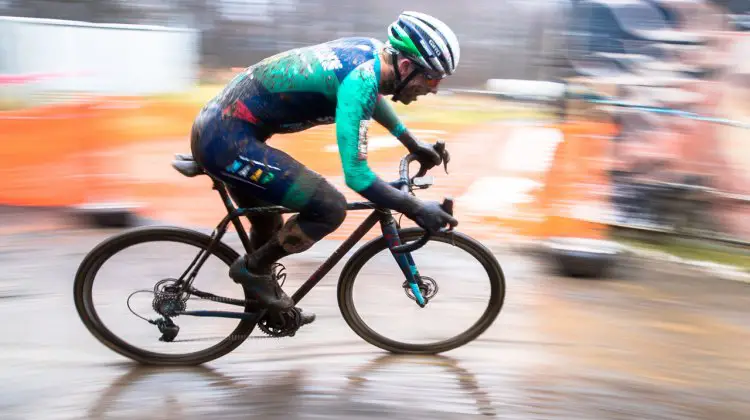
<point>169,301</point>
<point>167,328</point>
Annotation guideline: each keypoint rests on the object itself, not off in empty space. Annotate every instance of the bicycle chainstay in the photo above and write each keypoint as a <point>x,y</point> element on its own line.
<point>169,302</point>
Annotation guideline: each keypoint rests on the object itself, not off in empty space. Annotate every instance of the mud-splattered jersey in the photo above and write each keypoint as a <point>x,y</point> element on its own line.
<point>334,82</point>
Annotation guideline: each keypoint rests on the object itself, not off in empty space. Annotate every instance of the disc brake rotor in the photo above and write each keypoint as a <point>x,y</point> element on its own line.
<point>427,286</point>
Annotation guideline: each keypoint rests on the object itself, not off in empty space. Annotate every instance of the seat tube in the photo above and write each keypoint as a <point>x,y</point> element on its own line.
<point>228,204</point>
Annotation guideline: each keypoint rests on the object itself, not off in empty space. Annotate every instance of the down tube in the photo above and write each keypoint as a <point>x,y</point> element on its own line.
<point>404,260</point>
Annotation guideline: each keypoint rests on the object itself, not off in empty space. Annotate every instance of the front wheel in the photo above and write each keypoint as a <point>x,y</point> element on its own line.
<point>444,262</point>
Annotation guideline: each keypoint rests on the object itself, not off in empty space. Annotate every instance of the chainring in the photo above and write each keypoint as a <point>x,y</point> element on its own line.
<point>281,325</point>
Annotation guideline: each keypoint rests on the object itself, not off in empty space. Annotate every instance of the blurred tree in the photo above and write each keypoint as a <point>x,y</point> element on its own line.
<point>734,6</point>
<point>499,38</point>
<point>200,14</point>
<point>86,10</point>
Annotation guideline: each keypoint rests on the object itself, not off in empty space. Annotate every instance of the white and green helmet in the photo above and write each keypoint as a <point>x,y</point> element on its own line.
<point>427,41</point>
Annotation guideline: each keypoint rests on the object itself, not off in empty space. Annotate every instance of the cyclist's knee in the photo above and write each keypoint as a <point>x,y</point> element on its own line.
<point>330,209</point>
<point>323,214</point>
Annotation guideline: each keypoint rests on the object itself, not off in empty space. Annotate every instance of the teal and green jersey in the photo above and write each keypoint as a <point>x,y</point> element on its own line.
<point>333,82</point>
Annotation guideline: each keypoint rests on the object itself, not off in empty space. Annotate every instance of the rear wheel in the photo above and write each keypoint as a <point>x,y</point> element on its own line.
<point>165,236</point>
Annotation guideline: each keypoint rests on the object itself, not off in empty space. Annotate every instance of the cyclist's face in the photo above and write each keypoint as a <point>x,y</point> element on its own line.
<point>421,84</point>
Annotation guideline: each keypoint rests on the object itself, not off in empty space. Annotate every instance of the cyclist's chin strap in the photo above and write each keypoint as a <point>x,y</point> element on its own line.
<point>401,83</point>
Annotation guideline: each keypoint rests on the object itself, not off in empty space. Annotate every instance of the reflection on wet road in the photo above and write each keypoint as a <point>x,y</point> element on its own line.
<point>662,343</point>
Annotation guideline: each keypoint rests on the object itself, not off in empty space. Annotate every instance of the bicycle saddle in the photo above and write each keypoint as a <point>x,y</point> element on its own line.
<point>186,165</point>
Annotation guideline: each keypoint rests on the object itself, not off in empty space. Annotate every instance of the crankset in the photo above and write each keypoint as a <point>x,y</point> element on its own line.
<point>281,324</point>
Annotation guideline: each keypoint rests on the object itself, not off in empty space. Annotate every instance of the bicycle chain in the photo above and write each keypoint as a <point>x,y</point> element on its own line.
<point>169,303</point>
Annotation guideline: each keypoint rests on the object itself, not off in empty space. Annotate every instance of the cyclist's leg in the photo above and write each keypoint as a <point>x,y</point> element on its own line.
<point>321,207</point>
<point>231,151</point>
<point>262,226</point>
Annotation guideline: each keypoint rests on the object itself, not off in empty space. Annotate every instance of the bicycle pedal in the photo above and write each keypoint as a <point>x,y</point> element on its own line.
<point>307,318</point>
<point>285,324</point>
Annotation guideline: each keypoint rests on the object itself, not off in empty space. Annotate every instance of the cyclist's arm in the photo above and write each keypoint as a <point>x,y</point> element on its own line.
<point>386,116</point>
<point>356,101</point>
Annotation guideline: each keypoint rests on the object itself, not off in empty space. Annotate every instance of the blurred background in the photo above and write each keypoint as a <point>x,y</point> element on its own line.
<point>137,72</point>
<point>501,43</point>
<point>602,139</point>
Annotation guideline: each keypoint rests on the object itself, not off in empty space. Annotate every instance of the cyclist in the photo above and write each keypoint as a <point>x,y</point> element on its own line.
<point>343,82</point>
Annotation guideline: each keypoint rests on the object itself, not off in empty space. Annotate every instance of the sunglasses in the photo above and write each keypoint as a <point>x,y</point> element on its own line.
<point>432,79</point>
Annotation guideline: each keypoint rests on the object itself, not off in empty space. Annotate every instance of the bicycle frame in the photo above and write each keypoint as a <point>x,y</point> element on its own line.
<point>389,229</point>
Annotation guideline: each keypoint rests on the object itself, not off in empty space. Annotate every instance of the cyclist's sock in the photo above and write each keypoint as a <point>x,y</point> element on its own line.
<point>292,235</point>
<point>261,260</point>
<point>264,228</point>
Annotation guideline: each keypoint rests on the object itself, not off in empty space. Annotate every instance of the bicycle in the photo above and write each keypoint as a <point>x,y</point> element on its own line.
<point>171,294</point>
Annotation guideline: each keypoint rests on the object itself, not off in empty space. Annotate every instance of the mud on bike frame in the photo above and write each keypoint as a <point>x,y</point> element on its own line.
<point>389,227</point>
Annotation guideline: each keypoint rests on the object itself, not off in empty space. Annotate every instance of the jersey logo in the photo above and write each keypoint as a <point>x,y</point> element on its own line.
<point>364,125</point>
<point>251,169</point>
<point>327,57</point>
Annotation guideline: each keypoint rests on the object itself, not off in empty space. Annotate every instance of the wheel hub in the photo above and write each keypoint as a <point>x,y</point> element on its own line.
<point>427,287</point>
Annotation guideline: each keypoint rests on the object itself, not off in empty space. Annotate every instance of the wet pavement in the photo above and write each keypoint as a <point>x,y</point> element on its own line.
<point>661,342</point>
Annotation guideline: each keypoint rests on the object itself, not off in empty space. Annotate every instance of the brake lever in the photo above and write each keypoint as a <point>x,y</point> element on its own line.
<point>444,155</point>
<point>422,172</point>
<point>447,206</point>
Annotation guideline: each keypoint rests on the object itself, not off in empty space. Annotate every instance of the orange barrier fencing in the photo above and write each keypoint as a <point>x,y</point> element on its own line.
<point>575,193</point>
<point>40,157</point>
<point>97,152</point>
<point>552,181</point>
<point>67,155</point>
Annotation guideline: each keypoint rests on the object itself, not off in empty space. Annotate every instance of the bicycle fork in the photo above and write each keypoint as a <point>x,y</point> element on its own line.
<point>405,261</point>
